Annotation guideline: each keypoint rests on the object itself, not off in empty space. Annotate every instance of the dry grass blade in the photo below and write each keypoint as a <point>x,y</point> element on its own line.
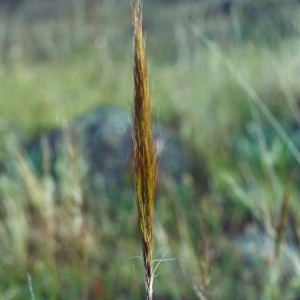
<point>144,157</point>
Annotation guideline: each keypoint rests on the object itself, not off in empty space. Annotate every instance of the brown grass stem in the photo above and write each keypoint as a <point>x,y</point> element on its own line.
<point>144,156</point>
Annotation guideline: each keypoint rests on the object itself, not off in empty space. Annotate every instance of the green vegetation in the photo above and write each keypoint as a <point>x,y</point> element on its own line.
<point>226,83</point>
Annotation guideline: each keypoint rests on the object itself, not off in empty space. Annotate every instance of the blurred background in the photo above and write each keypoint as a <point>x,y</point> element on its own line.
<point>224,80</point>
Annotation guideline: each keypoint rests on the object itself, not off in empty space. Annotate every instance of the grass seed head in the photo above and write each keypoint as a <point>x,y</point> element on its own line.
<point>144,156</point>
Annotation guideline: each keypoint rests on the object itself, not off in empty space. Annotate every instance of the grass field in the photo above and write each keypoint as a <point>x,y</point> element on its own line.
<point>228,84</point>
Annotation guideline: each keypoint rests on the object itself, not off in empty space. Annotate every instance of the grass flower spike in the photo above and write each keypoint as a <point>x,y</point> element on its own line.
<point>144,156</point>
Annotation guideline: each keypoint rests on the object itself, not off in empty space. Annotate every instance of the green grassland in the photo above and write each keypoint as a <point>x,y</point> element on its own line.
<point>227,83</point>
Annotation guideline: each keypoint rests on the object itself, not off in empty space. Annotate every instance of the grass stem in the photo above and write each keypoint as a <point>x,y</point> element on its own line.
<point>144,156</point>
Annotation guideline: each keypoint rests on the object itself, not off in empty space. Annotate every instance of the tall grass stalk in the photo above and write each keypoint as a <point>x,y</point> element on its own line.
<point>272,288</point>
<point>30,286</point>
<point>144,156</point>
<point>280,231</point>
<point>250,91</point>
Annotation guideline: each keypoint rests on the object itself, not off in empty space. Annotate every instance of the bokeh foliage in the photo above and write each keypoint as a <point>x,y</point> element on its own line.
<point>211,70</point>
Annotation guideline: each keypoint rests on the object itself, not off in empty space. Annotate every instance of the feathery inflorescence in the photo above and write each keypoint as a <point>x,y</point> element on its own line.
<point>144,156</point>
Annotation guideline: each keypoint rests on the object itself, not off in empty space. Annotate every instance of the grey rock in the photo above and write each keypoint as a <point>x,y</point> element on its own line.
<point>102,138</point>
